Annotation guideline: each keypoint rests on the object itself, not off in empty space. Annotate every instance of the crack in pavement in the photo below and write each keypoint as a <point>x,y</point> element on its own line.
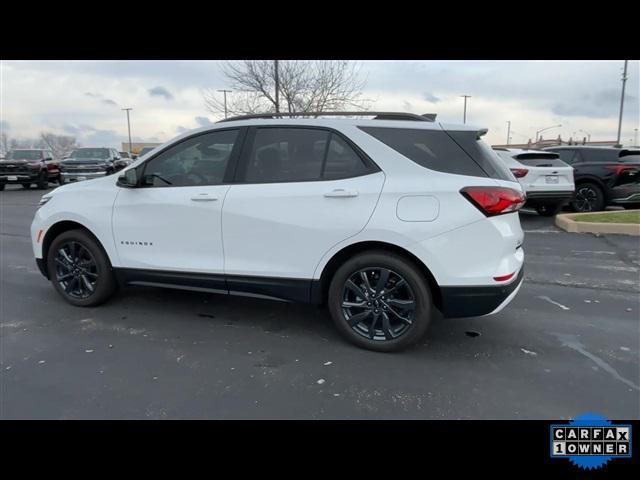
<point>572,342</point>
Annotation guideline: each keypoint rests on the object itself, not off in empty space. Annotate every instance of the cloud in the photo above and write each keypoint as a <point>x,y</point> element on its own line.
<point>160,92</point>
<point>108,101</point>
<point>203,121</point>
<point>430,97</point>
<point>600,104</point>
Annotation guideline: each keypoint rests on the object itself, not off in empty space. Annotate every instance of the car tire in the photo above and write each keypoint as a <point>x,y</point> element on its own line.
<point>89,261</point>
<point>26,186</point>
<point>43,181</point>
<point>588,198</point>
<point>631,206</point>
<point>396,327</point>
<point>547,210</point>
<point>2,187</point>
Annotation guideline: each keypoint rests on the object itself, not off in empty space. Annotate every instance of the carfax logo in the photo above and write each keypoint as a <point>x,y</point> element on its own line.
<point>590,441</point>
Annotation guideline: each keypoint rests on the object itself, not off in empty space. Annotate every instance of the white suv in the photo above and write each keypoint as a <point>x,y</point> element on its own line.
<point>382,219</point>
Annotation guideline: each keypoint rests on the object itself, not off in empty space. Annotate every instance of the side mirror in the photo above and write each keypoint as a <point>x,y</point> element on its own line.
<point>129,179</point>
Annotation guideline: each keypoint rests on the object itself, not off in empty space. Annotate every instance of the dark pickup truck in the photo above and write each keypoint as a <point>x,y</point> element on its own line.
<point>603,176</point>
<point>29,166</point>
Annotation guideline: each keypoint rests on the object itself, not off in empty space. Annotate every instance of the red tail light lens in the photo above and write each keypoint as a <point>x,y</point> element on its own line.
<point>618,169</point>
<point>519,172</point>
<point>494,200</point>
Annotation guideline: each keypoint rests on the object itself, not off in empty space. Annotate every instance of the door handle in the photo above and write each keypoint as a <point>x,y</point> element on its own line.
<point>341,193</point>
<point>204,197</point>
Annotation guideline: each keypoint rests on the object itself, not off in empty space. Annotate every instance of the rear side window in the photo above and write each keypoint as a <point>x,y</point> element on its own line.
<point>567,156</point>
<point>432,149</point>
<point>597,155</point>
<point>284,154</point>
<point>342,161</point>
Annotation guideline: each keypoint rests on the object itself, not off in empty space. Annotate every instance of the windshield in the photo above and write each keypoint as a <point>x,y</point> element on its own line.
<point>101,153</point>
<point>24,155</point>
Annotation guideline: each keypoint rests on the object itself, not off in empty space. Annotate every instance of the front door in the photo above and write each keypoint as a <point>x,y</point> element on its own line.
<point>172,222</point>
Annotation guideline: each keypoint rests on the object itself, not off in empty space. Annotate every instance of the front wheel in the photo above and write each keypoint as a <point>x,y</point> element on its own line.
<point>588,198</point>
<point>26,186</point>
<point>380,301</point>
<point>43,181</point>
<point>79,269</point>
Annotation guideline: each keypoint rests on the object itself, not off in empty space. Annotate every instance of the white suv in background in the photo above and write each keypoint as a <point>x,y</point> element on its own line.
<point>547,180</point>
<point>382,219</point>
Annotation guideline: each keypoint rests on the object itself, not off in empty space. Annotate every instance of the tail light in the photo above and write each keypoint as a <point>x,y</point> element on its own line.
<point>519,172</point>
<point>494,200</point>
<point>618,169</point>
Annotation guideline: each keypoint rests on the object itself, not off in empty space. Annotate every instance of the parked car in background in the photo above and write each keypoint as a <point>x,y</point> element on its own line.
<point>88,163</point>
<point>603,176</point>
<point>384,220</point>
<point>547,180</point>
<point>145,150</point>
<point>29,166</point>
<point>124,161</point>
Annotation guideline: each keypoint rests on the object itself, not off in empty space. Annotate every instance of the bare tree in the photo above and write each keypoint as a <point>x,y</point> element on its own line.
<point>60,145</point>
<point>304,86</point>
<point>4,143</point>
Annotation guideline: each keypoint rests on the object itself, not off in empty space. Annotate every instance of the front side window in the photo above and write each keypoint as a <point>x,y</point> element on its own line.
<point>599,155</point>
<point>200,160</point>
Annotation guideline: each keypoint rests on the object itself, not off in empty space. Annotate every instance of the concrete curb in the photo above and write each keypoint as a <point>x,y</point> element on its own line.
<point>567,223</point>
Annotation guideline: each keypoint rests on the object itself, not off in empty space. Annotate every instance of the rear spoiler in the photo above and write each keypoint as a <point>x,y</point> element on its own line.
<point>533,156</point>
<point>627,152</point>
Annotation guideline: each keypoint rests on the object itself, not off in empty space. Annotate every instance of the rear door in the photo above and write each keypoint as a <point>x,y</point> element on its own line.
<point>299,191</point>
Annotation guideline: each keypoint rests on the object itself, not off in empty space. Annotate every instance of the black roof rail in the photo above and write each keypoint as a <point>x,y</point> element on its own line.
<point>427,117</point>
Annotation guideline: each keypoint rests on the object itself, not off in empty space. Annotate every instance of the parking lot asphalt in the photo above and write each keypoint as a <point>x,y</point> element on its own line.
<point>568,344</point>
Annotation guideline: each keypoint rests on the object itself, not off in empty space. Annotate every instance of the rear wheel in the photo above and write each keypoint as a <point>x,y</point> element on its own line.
<point>79,269</point>
<point>26,186</point>
<point>588,198</point>
<point>380,301</point>
<point>1,186</point>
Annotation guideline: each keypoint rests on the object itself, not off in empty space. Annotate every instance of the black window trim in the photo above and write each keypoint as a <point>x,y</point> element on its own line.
<point>230,169</point>
<point>241,167</point>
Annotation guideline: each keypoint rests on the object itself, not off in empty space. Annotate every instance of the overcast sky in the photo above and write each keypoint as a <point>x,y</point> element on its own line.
<point>84,98</point>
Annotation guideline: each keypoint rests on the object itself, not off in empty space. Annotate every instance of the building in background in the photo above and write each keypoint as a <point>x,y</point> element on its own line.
<point>137,146</point>
<point>555,142</point>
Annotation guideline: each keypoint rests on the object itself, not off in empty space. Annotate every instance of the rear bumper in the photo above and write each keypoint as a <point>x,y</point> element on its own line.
<point>629,193</point>
<point>476,301</point>
<point>549,197</point>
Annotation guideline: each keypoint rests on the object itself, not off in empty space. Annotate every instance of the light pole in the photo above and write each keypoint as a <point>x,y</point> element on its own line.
<point>277,82</point>
<point>464,117</point>
<point>508,131</point>
<point>538,132</point>
<point>587,133</point>
<point>225,100</point>
<point>624,81</point>
<point>129,128</point>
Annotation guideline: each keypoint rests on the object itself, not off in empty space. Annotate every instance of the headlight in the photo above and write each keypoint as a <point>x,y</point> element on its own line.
<point>44,199</point>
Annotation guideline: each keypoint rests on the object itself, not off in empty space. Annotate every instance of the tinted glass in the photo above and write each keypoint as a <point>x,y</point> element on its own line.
<point>567,156</point>
<point>201,160</point>
<point>97,153</point>
<point>599,155</point>
<point>286,155</point>
<point>342,161</point>
<point>24,155</point>
<point>432,149</point>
